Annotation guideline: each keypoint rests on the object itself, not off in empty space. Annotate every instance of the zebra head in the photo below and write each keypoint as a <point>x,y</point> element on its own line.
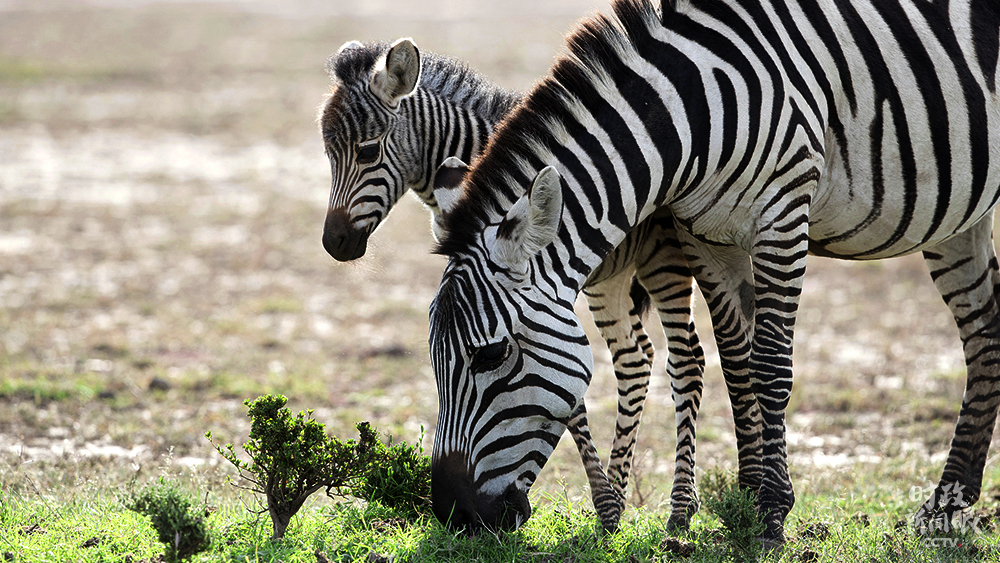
<point>510,358</point>
<point>365,146</point>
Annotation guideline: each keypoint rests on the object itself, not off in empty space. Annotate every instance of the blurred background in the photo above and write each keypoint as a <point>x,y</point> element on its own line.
<point>162,196</point>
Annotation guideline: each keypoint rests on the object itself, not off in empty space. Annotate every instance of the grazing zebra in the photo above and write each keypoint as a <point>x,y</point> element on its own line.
<point>394,116</point>
<point>859,129</point>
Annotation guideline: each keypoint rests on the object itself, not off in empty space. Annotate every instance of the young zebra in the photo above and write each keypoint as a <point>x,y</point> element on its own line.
<point>394,116</point>
<point>858,129</point>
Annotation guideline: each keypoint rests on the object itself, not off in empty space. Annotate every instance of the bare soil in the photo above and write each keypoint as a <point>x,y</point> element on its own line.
<point>162,192</point>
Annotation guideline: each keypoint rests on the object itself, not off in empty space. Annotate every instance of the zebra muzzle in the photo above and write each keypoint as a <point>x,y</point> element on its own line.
<point>516,509</point>
<point>458,504</point>
<point>451,492</point>
<point>340,239</point>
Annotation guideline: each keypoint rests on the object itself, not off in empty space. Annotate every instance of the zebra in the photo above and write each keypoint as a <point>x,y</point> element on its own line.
<point>769,129</point>
<point>395,114</point>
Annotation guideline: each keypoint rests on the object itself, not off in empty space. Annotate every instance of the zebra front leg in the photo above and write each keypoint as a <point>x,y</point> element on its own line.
<point>778,255</point>
<point>667,277</point>
<point>617,318</point>
<point>724,277</point>
<point>964,270</point>
<point>632,371</point>
<point>608,503</point>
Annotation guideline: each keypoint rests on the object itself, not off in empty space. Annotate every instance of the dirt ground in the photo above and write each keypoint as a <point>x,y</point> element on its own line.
<point>162,192</point>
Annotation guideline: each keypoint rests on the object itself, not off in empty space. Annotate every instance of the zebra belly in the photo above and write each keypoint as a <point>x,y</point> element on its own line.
<point>856,220</point>
<point>917,157</point>
<point>884,215</point>
<point>863,232</point>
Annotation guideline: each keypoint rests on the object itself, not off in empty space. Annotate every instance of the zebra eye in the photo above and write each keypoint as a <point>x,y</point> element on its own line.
<point>489,357</point>
<point>368,154</point>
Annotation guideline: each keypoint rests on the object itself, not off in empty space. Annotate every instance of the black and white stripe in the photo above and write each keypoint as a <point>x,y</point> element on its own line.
<point>859,129</point>
<point>385,135</point>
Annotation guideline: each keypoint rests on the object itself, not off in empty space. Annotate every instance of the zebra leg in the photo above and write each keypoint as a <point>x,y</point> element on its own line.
<point>667,277</point>
<point>778,255</point>
<point>617,319</point>
<point>633,387</point>
<point>965,272</point>
<point>607,501</point>
<point>724,276</point>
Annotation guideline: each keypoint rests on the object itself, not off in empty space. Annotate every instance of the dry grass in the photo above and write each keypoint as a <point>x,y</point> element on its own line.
<point>162,190</point>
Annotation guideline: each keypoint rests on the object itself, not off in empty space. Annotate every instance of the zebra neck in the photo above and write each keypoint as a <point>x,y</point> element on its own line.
<point>453,122</point>
<point>622,137</point>
<point>595,221</point>
<point>615,172</point>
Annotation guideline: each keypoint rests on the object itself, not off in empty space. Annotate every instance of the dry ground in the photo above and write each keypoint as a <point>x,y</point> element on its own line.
<point>162,190</point>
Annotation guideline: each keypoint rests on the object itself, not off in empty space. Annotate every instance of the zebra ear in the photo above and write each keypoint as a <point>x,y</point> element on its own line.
<point>397,73</point>
<point>531,223</point>
<point>354,44</point>
<point>331,63</point>
<point>447,191</point>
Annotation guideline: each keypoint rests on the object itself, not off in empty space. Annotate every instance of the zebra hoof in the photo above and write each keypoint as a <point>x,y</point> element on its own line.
<point>609,510</point>
<point>936,514</point>
<point>929,521</point>
<point>773,539</point>
<point>772,545</point>
<point>678,523</point>
<point>681,514</point>
<point>610,521</point>
<point>610,526</point>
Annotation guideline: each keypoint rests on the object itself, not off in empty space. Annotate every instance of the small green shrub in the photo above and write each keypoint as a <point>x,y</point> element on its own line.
<point>398,477</point>
<point>715,482</point>
<point>736,508</point>
<point>183,530</point>
<point>292,457</point>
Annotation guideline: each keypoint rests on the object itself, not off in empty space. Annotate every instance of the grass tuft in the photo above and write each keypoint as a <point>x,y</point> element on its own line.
<point>178,526</point>
<point>736,509</point>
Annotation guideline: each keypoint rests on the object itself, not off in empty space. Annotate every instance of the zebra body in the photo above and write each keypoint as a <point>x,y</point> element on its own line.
<point>859,129</point>
<point>382,142</point>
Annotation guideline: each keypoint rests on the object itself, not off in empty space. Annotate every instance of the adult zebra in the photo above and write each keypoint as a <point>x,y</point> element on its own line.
<point>856,129</point>
<point>394,116</point>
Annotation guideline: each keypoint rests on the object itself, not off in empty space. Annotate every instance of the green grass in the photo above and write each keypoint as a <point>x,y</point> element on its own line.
<point>44,387</point>
<point>96,526</point>
<point>93,529</point>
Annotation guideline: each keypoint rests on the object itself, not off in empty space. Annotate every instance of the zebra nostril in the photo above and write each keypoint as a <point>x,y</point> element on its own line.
<point>333,244</point>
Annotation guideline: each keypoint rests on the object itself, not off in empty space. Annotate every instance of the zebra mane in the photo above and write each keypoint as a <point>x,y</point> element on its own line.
<point>355,64</point>
<point>444,76</point>
<point>516,152</point>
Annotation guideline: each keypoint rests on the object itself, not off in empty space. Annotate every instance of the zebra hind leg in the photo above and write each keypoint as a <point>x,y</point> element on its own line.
<point>724,276</point>
<point>965,272</point>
